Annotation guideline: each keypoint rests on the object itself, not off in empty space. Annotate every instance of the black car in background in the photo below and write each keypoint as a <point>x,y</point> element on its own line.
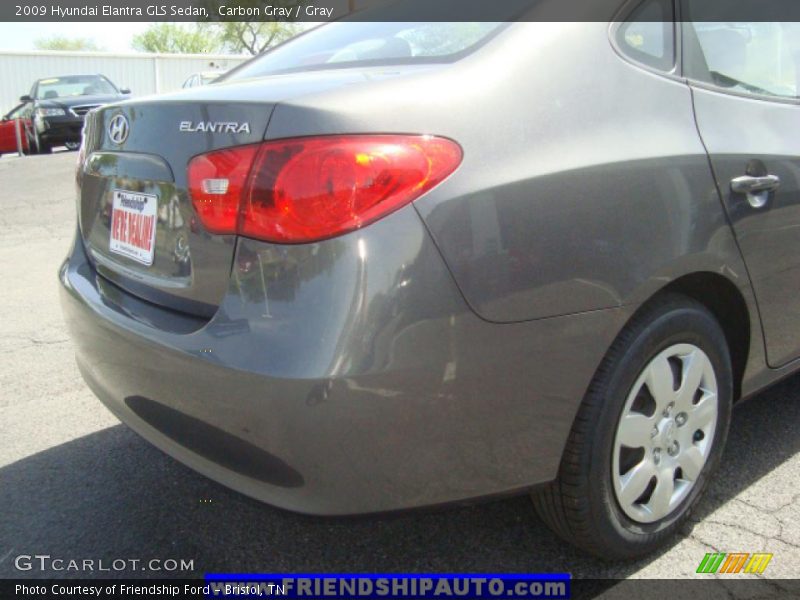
<point>60,105</point>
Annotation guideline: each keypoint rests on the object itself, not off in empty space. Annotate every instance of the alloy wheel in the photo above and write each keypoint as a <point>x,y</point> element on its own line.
<point>665,433</point>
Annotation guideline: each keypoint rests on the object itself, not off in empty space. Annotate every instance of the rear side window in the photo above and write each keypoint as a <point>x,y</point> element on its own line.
<point>761,59</point>
<point>648,35</point>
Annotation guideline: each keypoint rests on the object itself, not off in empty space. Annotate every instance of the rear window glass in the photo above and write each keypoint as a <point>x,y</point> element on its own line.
<point>343,44</point>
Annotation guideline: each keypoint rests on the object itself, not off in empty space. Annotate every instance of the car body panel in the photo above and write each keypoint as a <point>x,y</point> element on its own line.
<point>191,267</point>
<point>544,216</point>
<point>8,130</point>
<point>341,377</point>
<point>292,86</point>
<point>194,278</point>
<point>736,131</point>
<point>442,352</point>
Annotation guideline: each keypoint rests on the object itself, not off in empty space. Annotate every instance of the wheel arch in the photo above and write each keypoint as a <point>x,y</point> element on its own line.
<point>728,305</point>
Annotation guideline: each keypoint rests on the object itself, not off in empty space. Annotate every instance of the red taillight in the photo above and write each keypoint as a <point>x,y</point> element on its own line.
<point>216,182</point>
<point>310,189</point>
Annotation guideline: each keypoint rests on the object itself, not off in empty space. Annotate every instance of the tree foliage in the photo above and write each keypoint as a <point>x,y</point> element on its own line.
<point>59,42</point>
<point>208,38</point>
<point>178,39</point>
<point>254,37</point>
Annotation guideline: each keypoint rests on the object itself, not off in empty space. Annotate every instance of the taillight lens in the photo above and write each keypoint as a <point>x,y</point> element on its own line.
<point>216,182</point>
<point>310,189</point>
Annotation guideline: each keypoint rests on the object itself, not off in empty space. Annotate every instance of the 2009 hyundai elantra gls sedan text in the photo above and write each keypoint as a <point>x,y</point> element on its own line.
<point>392,265</point>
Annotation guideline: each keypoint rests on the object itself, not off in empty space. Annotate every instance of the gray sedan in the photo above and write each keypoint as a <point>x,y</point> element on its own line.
<point>389,265</point>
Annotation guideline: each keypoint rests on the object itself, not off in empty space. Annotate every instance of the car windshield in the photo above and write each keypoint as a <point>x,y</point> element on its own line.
<point>75,85</point>
<point>344,44</point>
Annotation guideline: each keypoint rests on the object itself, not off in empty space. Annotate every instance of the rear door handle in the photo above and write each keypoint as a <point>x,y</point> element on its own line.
<point>756,189</point>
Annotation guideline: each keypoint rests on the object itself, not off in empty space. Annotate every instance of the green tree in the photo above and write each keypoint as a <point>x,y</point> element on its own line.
<point>58,42</point>
<point>254,37</point>
<point>178,39</point>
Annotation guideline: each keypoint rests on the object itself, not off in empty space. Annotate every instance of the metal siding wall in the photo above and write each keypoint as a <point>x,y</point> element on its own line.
<point>18,70</point>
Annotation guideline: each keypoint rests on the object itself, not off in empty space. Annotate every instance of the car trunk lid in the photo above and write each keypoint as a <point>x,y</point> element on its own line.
<point>146,173</point>
<point>135,215</point>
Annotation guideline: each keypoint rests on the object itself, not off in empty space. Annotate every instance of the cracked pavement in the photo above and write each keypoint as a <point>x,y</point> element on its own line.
<point>75,483</point>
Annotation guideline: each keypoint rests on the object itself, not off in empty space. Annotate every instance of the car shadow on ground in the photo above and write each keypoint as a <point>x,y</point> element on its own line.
<point>111,495</point>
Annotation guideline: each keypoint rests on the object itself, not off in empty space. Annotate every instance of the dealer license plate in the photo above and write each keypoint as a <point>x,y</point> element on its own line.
<point>133,226</point>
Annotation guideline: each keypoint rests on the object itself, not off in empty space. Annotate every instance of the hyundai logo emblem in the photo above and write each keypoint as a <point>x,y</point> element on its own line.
<point>118,129</point>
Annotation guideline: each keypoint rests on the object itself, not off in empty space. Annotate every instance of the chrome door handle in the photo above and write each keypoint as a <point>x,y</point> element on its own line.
<point>756,189</point>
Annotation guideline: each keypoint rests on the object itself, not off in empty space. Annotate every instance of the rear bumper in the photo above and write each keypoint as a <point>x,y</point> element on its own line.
<point>340,378</point>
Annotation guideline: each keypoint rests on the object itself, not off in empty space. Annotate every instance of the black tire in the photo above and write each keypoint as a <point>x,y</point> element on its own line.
<point>72,146</point>
<point>581,505</point>
<point>42,147</point>
<point>31,143</point>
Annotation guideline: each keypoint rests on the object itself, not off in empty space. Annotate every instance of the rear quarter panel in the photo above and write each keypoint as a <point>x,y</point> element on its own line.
<point>584,183</point>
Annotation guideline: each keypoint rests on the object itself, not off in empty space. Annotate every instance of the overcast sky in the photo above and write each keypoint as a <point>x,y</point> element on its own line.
<point>114,37</point>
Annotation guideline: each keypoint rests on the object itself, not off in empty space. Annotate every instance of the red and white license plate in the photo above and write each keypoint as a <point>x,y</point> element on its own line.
<point>133,226</point>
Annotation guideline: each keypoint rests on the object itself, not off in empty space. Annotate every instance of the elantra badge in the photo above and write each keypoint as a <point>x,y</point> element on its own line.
<point>214,127</point>
<point>118,129</point>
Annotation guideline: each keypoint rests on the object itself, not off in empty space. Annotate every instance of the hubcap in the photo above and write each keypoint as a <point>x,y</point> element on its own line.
<point>665,433</point>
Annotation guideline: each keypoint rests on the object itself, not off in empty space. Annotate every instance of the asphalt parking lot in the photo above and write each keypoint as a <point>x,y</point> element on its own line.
<point>75,483</point>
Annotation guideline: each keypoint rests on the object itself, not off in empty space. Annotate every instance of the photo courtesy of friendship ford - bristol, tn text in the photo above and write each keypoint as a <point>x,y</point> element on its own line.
<point>400,299</point>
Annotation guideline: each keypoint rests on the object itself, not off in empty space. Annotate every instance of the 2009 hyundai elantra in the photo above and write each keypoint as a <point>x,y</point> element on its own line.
<point>389,265</point>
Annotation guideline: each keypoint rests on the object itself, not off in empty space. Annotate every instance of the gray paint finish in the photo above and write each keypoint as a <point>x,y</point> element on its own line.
<point>572,196</point>
<point>441,353</point>
<point>191,267</point>
<point>736,131</point>
<point>343,377</point>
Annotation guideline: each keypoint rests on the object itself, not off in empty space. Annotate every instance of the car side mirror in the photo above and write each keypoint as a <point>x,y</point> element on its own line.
<point>125,91</point>
<point>25,98</point>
